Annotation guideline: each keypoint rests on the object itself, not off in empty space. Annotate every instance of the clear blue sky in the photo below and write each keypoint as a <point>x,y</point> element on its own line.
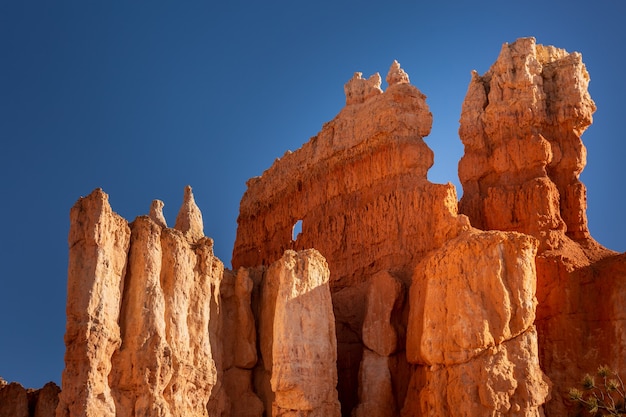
<point>143,98</point>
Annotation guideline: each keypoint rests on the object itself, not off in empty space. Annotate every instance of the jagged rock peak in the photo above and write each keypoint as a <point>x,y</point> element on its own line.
<point>156,213</point>
<point>396,75</point>
<point>189,219</point>
<point>358,89</point>
<point>521,125</point>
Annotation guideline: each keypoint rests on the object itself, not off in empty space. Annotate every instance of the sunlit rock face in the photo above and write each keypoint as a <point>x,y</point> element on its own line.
<point>521,125</point>
<point>360,189</point>
<point>367,165</point>
<point>304,348</point>
<point>471,320</point>
<point>98,240</point>
<point>394,299</point>
<point>137,340</point>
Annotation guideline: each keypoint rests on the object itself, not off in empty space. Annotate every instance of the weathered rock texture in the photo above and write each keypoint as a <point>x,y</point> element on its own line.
<point>303,342</point>
<point>361,191</point>
<point>234,340</point>
<point>137,340</point>
<point>471,319</point>
<point>368,161</point>
<point>402,307</point>
<point>521,125</point>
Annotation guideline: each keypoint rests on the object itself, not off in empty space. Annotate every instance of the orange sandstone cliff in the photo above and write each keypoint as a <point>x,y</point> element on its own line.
<point>521,125</point>
<point>395,299</point>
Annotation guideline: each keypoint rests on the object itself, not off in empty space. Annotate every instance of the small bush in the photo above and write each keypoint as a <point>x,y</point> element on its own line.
<point>607,398</point>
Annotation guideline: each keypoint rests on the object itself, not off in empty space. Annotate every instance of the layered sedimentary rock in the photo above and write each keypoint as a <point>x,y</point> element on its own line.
<point>139,295</point>
<point>521,125</point>
<point>368,161</point>
<point>360,189</point>
<point>402,307</point>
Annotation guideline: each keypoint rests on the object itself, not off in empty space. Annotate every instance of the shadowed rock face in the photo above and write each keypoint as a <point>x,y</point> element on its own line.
<point>402,307</point>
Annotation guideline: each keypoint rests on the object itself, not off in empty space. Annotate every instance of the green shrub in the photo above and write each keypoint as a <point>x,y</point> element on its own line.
<point>607,398</point>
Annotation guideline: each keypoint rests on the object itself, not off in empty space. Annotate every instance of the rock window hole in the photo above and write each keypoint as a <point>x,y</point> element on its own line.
<point>297,229</point>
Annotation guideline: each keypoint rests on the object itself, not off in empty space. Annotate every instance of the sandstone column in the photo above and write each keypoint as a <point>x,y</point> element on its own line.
<point>304,348</point>
<point>98,242</point>
<point>471,326</point>
<point>385,296</point>
<point>138,332</point>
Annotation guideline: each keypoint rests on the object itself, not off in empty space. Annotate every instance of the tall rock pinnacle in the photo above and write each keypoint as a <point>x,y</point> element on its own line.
<point>189,219</point>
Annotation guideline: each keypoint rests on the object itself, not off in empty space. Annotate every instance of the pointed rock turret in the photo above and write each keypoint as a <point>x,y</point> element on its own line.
<point>396,75</point>
<point>156,213</point>
<point>189,219</point>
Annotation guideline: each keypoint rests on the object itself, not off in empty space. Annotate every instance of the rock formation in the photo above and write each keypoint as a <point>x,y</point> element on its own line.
<point>368,164</point>
<point>395,299</point>
<point>521,125</point>
<point>138,312</point>
<point>303,354</point>
<point>98,242</point>
<point>17,401</point>
<point>471,319</point>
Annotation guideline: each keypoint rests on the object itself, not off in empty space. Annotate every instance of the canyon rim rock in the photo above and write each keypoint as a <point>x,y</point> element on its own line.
<point>394,299</point>
<point>521,125</point>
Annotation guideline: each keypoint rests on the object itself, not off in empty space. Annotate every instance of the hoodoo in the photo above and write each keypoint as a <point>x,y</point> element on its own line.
<point>394,299</point>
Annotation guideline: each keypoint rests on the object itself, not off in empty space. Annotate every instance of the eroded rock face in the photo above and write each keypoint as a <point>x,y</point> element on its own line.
<point>385,296</point>
<point>369,161</point>
<point>17,401</point>
<point>376,391</point>
<point>471,319</point>
<point>137,339</point>
<point>13,400</point>
<point>304,348</point>
<point>367,165</point>
<point>157,327</point>
<point>476,292</point>
<point>504,380</point>
<point>47,400</point>
<point>235,350</point>
<point>98,242</point>
<point>521,125</point>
